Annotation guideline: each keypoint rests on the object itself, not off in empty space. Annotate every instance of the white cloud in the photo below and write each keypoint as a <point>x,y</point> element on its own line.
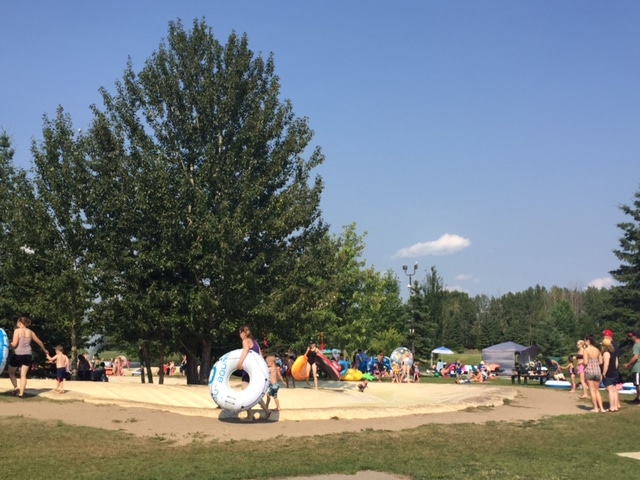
<point>604,282</point>
<point>464,277</point>
<point>445,245</point>
<point>27,250</point>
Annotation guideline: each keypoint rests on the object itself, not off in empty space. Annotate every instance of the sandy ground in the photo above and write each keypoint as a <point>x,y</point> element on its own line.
<point>188,411</point>
<point>180,413</point>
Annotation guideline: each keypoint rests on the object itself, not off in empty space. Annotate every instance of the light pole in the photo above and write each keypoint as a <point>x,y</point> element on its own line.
<point>412,332</point>
<point>406,272</point>
<point>411,274</point>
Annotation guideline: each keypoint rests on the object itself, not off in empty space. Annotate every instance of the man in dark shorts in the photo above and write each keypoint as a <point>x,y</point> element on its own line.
<point>634,365</point>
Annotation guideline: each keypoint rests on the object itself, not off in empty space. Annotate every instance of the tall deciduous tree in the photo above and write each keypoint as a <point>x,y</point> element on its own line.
<point>362,303</point>
<point>64,281</point>
<point>203,201</point>
<point>15,197</point>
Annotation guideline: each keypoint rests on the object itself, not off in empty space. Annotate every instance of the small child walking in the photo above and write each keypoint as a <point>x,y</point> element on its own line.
<point>62,367</point>
<point>416,372</point>
<point>395,373</point>
<point>571,367</point>
<point>274,378</point>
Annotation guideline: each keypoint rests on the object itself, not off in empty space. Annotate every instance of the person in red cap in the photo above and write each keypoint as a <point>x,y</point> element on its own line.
<point>610,374</point>
<point>608,335</point>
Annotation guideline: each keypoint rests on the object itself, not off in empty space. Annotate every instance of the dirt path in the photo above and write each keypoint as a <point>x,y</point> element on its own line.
<point>158,420</point>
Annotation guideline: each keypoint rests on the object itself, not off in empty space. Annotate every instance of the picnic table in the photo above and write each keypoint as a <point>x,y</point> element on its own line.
<point>525,376</point>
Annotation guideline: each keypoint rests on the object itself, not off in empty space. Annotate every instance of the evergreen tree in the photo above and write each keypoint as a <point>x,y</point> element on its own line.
<point>626,296</point>
<point>425,313</point>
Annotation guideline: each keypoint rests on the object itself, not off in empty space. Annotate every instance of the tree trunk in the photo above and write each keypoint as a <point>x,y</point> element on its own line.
<point>149,371</point>
<point>206,362</point>
<point>142,364</point>
<point>147,364</point>
<point>161,364</point>
<point>192,369</point>
<point>73,364</point>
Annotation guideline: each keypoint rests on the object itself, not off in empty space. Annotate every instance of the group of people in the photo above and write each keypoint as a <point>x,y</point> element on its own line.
<point>601,366</point>
<point>280,369</point>
<point>404,371</point>
<point>463,373</point>
<point>22,358</point>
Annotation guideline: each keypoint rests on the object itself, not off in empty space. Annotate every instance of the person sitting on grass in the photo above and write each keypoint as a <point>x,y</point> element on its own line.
<point>477,375</point>
<point>557,370</point>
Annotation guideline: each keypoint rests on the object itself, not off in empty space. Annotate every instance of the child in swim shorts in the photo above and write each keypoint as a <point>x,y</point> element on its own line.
<point>274,377</point>
<point>62,367</point>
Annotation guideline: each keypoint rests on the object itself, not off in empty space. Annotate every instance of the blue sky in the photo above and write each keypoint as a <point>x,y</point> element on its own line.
<point>494,140</point>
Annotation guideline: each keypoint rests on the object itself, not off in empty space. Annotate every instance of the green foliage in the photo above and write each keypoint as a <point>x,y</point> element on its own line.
<point>425,313</point>
<point>362,303</point>
<point>64,290</point>
<point>626,297</point>
<point>201,203</point>
<point>386,342</point>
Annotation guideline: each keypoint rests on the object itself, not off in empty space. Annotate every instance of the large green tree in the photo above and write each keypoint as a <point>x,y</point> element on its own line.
<point>361,304</point>
<point>626,296</point>
<point>202,202</point>
<point>64,288</point>
<point>15,197</point>
<point>459,320</point>
<point>426,321</point>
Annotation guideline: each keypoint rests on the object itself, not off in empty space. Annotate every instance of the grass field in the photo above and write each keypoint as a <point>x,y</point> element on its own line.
<point>565,447</point>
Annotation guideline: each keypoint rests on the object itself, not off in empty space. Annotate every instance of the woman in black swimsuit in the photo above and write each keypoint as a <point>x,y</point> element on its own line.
<point>312,367</point>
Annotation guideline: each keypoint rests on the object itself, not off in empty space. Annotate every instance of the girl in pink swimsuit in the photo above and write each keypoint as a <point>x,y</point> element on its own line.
<point>581,346</point>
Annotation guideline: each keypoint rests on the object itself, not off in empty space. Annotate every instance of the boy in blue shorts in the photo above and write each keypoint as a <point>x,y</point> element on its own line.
<point>274,377</point>
<point>62,367</point>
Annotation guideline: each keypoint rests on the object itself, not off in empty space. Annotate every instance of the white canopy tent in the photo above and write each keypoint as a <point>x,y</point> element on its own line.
<point>443,351</point>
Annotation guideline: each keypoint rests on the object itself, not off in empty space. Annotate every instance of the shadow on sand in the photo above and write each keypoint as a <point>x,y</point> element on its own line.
<point>248,417</point>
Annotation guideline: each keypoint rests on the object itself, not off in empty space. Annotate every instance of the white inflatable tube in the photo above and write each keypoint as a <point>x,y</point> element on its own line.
<point>557,384</point>
<point>232,399</point>
<point>4,349</point>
